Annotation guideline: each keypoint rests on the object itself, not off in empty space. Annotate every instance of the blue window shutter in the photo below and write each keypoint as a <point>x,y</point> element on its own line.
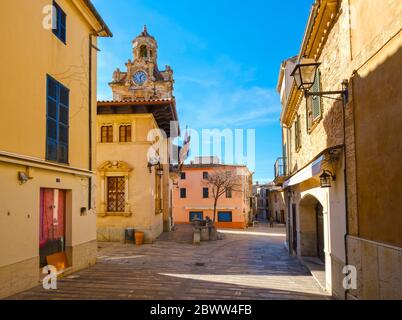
<point>63,120</point>
<point>57,121</point>
<point>62,26</point>
<point>196,214</point>
<point>51,119</point>
<point>61,23</point>
<point>224,216</point>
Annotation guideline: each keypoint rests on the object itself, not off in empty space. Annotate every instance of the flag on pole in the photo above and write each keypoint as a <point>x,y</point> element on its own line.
<point>185,151</point>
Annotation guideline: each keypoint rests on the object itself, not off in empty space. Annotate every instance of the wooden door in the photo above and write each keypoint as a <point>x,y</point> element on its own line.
<point>294,226</point>
<point>52,223</point>
<point>320,232</point>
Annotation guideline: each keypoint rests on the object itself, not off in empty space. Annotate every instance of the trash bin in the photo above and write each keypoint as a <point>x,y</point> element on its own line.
<point>129,235</point>
<point>139,237</point>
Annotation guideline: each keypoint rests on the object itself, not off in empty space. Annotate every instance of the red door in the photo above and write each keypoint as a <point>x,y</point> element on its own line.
<point>52,223</point>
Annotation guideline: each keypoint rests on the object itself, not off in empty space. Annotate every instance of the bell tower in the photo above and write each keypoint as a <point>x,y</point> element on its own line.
<point>143,79</point>
<point>145,48</point>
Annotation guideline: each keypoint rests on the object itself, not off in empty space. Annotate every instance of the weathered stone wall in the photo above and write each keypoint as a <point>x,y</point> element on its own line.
<point>379,272</point>
<point>335,61</point>
<point>337,277</point>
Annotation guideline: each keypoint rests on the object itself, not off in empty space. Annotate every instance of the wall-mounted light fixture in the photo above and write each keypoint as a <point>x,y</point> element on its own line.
<point>159,171</point>
<point>153,162</point>
<point>304,75</point>
<point>325,179</point>
<point>25,176</point>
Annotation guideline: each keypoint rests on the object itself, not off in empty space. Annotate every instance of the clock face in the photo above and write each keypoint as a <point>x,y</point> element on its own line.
<point>140,77</point>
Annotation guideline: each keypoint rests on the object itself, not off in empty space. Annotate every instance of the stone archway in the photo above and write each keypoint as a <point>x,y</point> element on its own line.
<point>311,228</point>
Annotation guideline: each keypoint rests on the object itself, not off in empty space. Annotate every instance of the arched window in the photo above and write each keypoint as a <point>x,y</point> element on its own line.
<point>143,51</point>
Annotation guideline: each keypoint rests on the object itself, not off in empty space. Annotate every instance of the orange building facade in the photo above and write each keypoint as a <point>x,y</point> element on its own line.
<point>193,198</point>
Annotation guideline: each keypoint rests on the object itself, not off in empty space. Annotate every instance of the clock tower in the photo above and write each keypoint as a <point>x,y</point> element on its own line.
<point>143,80</point>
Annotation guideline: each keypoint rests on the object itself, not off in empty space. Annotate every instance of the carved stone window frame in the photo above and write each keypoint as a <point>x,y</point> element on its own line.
<point>114,169</point>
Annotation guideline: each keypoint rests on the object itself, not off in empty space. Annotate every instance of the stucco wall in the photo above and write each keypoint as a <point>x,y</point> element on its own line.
<point>378,119</point>
<point>29,53</point>
<point>372,24</point>
<point>141,182</point>
<point>194,201</point>
<point>19,218</point>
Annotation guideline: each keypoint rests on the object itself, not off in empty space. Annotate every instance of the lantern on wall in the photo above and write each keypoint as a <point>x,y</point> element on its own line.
<point>325,179</point>
<point>304,73</point>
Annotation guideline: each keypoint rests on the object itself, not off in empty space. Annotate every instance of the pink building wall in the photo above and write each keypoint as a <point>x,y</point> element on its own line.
<point>194,202</point>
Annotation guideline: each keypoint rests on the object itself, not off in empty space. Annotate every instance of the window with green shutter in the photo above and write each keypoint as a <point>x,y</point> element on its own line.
<point>316,100</point>
<point>313,105</point>
<point>309,115</point>
<point>297,127</point>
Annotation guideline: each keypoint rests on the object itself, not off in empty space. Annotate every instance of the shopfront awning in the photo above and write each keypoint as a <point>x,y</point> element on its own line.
<point>312,170</point>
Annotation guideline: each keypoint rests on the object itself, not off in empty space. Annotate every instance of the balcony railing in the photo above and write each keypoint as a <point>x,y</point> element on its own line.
<point>280,168</point>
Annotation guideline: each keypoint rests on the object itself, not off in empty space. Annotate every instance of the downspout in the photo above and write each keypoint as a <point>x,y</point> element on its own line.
<point>90,147</point>
<point>344,102</point>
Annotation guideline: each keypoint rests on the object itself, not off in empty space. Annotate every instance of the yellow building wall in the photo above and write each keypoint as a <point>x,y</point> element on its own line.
<point>19,219</point>
<point>29,52</point>
<point>141,182</point>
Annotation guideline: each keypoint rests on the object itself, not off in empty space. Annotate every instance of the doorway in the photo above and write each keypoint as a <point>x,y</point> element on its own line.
<point>294,226</point>
<point>52,225</point>
<point>282,217</point>
<point>311,228</point>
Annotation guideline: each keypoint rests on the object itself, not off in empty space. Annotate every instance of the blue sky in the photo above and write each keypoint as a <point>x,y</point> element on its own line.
<point>225,56</point>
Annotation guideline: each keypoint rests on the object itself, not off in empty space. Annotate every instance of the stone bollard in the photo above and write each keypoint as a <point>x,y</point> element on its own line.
<point>197,236</point>
<point>214,234</point>
<point>204,234</point>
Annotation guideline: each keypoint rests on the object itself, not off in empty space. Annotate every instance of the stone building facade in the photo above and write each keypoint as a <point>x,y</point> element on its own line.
<point>193,196</point>
<point>133,147</point>
<point>142,78</point>
<point>261,200</point>
<point>358,41</point>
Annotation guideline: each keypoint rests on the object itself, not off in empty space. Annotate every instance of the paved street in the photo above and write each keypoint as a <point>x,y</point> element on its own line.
<point>250,264</point>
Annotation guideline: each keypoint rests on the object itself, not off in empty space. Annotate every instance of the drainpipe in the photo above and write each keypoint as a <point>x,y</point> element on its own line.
<point>344,103</point>
<point>90,148</point>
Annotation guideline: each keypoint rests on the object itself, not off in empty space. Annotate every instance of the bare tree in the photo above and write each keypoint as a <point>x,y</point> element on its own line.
<point>221,181</point>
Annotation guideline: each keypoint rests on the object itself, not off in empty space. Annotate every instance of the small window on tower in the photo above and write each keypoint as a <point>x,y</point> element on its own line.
<point>143,52</point>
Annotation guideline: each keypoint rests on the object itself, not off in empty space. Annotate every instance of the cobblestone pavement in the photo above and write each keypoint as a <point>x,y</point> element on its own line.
<point>250,264</point>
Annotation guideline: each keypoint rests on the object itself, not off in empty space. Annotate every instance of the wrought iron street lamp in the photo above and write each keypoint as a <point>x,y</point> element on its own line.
<point>304,75</point>
<point>153,162</point>
<point>325,179</point>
